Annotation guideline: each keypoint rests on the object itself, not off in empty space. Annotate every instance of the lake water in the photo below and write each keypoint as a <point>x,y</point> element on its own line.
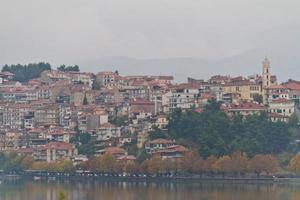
<point>90,190</point>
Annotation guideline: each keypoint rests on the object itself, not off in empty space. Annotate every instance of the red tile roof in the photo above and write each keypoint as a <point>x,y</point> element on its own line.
<point>25,151</point>
<point>172,149</point>
<point>282,100</point>
<point>161,141</point>
<point>247,106</point>
<point>127,157</point>
<point>114,150</point>
<point>59,146</point>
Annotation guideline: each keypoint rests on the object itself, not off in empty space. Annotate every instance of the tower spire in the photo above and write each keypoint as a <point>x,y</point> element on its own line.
<point>266,78</point>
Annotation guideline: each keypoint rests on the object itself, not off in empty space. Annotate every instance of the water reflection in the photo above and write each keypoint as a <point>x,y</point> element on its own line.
<point>92,190</point>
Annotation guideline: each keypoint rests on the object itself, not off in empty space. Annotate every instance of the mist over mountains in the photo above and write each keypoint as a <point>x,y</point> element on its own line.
<point>248,63</point>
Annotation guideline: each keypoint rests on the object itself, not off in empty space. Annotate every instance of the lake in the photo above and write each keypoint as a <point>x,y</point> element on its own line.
<point>91,190</point>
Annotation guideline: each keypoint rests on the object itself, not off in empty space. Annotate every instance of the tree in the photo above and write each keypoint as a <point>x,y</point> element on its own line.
<point>11,161</point>
<point>65,68</point>
<point>199,167</point>
<point>155,165</point>
<point>85,101</point>
<point>239,162</point>
<point>258,98</point>
<point>65,166</point>
<point>84,143</point>
<point>294,164</point>
<point>108,163</point>
<point>213,132</point>
<point>263,163</point>
<point>130,167</point>
<point>157,133</point>
<point>189,161</point>
<point>208,164</point>
<point>142,156</point>
<point>120,121</point>
<point>39,166</point>
<point>131,147</point>
<point>24,73</point>
<point>223,165</point>
<point>62,196</point>
<point>27,162</point>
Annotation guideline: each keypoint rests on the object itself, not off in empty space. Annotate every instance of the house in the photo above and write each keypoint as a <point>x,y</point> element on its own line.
<point>158,144</point>
<point>142,138</point>
<point>184,96</point>
<point>244,109</point>
<point>283,108</point>
<point>116,152</point>
<point>162,121</point>
<point>5,77</point>
<point>142,106</point>
<point>47,115</point>
<point>108,131</point>
<point>126,158</point>
<point>27,151</point>
<point>171,152</point>
<point>56,151</point>
<point>107,79</point>
<point>246,89</point>
<point>288,90</point>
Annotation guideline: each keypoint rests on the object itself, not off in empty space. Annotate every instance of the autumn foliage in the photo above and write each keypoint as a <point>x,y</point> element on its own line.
<point>294,164</point>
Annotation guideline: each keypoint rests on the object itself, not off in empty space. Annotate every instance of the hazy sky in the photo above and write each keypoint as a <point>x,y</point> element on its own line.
<point>78,31</point>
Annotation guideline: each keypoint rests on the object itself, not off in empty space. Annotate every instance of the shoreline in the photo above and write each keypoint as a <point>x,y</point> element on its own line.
<point>225,180</point>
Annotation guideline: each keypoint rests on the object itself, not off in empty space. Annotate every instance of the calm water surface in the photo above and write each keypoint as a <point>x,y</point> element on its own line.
<point>77,190</point>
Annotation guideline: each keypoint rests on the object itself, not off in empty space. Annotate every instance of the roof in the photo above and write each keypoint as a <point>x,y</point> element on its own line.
<point>186,86</point>
<point>199,110</point>
<point>114,150</point>
<point>127,157</point>
<point>107,125</point>
<point>247,106</point>
<point>282,100</point>
<point>172,149</point>
<point>141,102</point>
<point>59,146</point>
<point>292,85</point>
<point>161,141</point>
<point>6,73</point>
<point>241,83</point>
<point>25,150</point>
<point>276,115</point>
<point>276,87</point>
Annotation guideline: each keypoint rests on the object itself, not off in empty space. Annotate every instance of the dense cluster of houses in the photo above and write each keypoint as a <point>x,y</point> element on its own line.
<point>39,118</point>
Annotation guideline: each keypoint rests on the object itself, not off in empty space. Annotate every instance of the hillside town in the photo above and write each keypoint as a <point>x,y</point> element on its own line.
<point>49,117</point>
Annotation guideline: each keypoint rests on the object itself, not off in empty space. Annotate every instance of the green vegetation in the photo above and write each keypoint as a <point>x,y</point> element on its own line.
<point>158,133</point>
<point>212,132</point>
<point>237,164</point>
<point>120,120</point>
<point>131,147</point>
<point>24,73</point>
<point>258,98</point>
<point>65,68</point>
<point>11,161</point>
<point>60,166</point>
<point>84,143</point>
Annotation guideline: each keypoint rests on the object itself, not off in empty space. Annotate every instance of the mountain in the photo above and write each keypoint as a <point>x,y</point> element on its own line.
<point>245,64</point>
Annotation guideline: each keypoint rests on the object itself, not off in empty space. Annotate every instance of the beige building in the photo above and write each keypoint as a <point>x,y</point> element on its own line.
<point>281,109</point>
<point>245,88</point>
<point>56,151</point>
<point>47,115</point>
<point>142,138</point>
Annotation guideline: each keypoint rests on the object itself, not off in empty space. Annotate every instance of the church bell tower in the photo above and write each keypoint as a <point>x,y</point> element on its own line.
<point>266,79</point>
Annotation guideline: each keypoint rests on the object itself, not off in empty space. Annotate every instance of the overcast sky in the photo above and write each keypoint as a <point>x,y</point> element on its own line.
<point>78,31</point>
